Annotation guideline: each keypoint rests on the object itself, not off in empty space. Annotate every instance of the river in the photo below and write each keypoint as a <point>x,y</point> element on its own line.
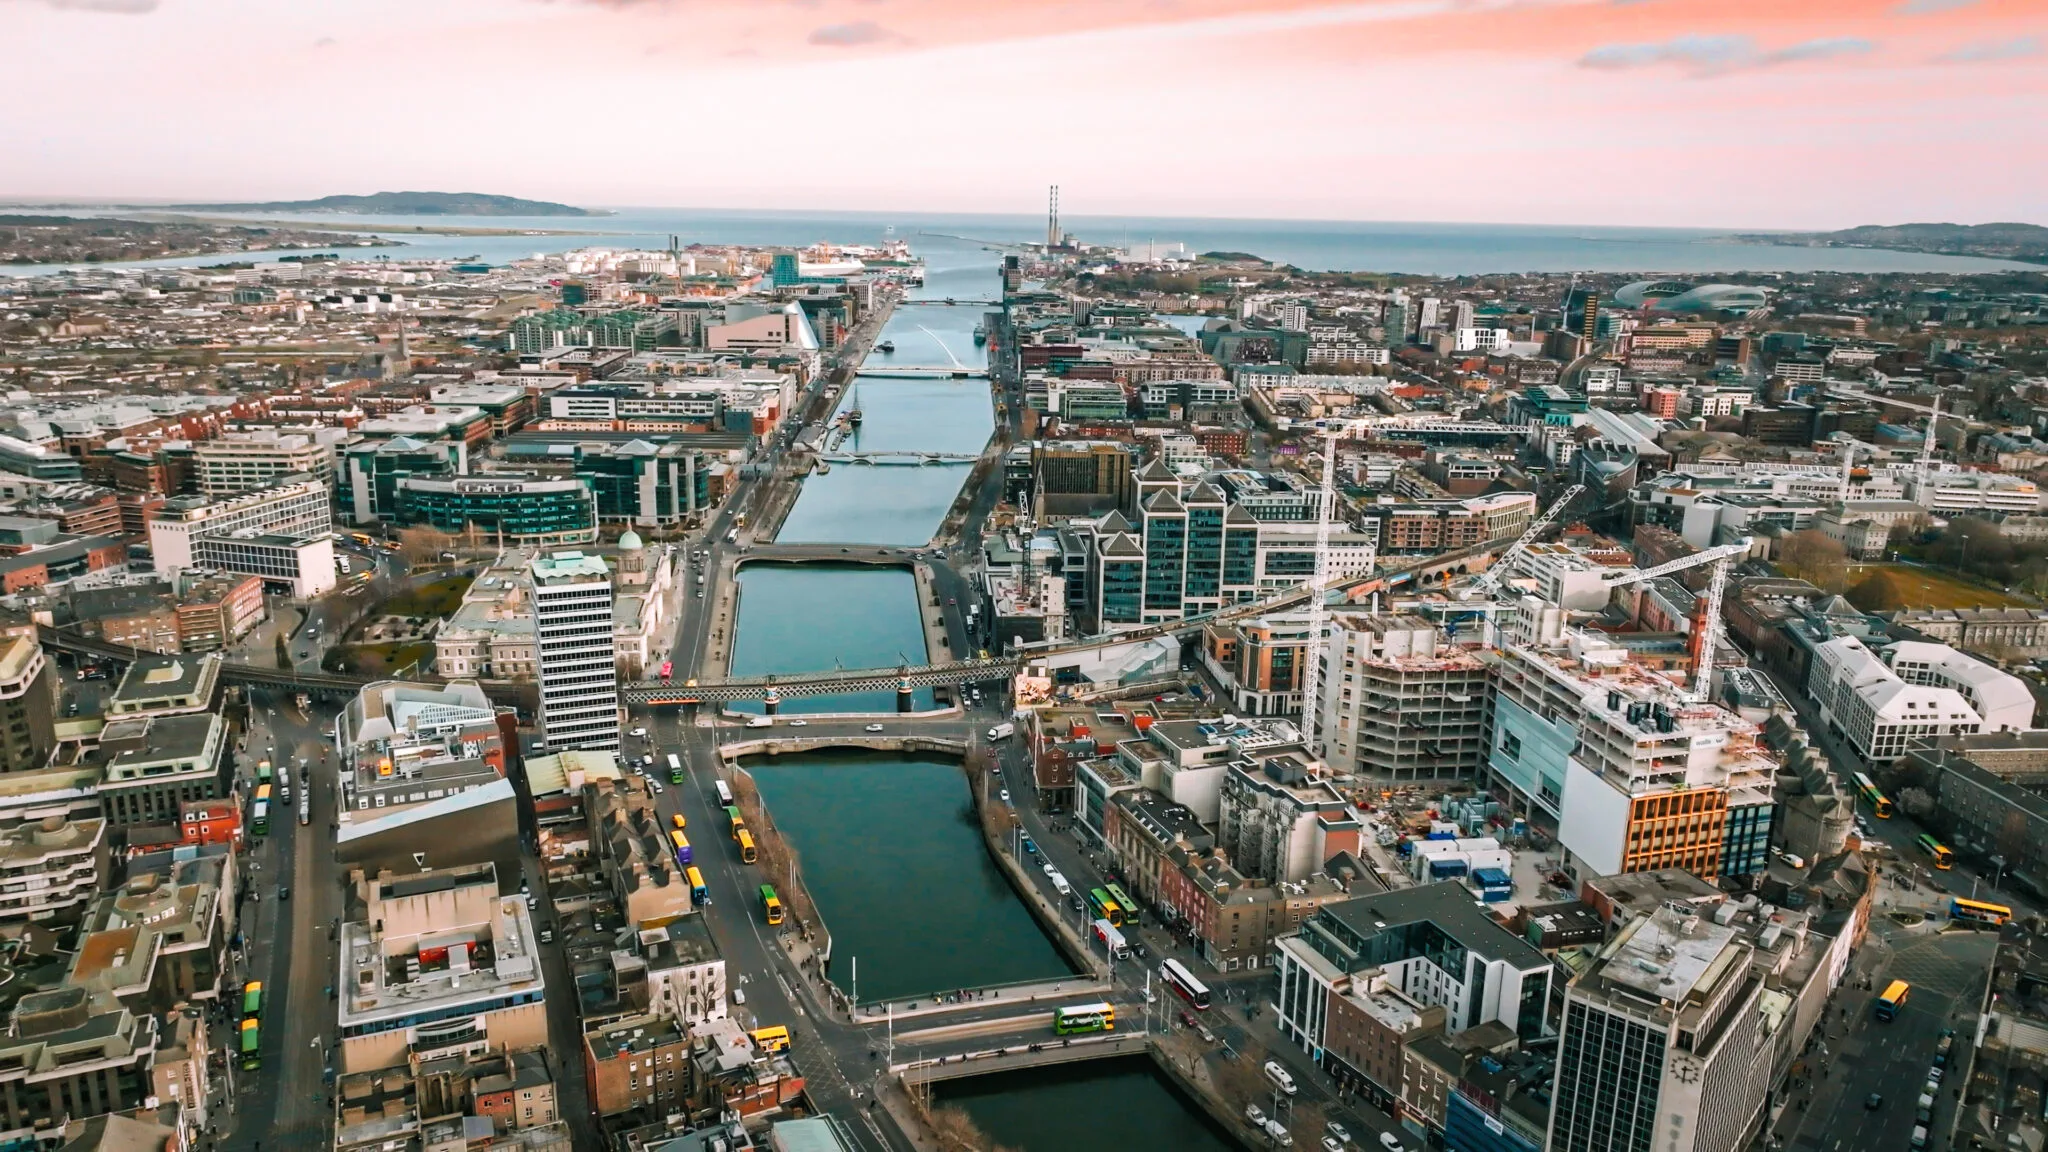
<point>812,617</point>
<point>1118,1103</point>
<point>894,862</point>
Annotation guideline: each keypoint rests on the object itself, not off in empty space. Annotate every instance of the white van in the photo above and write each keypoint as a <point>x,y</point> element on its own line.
<point>1279,1077</point>
<point>761,722</point>
<point>1060,885</point>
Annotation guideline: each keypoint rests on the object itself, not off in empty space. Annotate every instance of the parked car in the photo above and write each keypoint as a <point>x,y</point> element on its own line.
<point>1332,1144</point>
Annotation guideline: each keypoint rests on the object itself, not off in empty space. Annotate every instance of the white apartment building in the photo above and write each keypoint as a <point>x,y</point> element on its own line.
<point>51,865</point>
<point>579,671</point>
<point>240,461</point>
<point>1483,339</point>
<point>1999,698</point>
<point>1881,715</point>
<point>1958,492</point>
<point>1565,576</point>
<point>282,533</point>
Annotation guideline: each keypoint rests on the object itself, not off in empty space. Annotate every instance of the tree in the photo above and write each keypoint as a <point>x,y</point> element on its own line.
<point>1917,802</point>
<point>423,544</point>
<point>1816,558</point>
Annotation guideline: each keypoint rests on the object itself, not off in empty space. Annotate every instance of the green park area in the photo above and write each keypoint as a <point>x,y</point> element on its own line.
<point>1889,587</point>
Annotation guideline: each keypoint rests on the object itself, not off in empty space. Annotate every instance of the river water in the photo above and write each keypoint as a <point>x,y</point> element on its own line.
<point>894,861</point>
<point>812,617</point>
<point>1117,1103</point>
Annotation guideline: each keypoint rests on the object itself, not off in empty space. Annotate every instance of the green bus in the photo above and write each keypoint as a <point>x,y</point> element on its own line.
<point>252,999</point>
<point>732,813</point>
<point>1084,1018</point>
<point>252,1046</point>
<point>1123,901</point>
<point>1943,858</point>
<point>263,772</point>
<point>1880,804</point>
<point>1105,907</point>
<point>770,905</point>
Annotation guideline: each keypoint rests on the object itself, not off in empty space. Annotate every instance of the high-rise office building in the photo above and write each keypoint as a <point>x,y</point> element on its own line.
<point>1395,321</point>
<point>1429,313</point>
<point>579,670</point>
<point>1667,1041</point>
<point>1589,319</point>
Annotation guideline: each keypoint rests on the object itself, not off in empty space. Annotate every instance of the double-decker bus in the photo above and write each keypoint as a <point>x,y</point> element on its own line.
<point>675,770</point>
<point>774,1039</point>
<point>700,894</point>
<point>252,999</point>
<point>259,819</point>
<point>1084,1018</point>
<point>771,907</point>
<point>1123,901</point>
<point>739,823</point>
<point>1978,911</point>
<point>1880,804</point>
<point>682,848</point>
<point>747,853</point>
<point>1183,982</point>
<point>263,771</point>
<point>252,1046</point>
<point>724,795</point>
<point>1105,907</point>
<point>668,669</point>
<point>1943,858</point>
<point>1892,999</point>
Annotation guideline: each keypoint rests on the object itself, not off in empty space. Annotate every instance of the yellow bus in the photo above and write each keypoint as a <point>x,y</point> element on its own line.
<point>774,1039</point>
<point>732,813</point>
<point>746,847</point>
<point>1893,998</point>
<point>700,892</point>
<point>770,906</point>
<point>1977,910</point>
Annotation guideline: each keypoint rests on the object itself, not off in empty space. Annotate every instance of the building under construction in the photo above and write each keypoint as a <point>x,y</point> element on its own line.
<point>1399,704</point>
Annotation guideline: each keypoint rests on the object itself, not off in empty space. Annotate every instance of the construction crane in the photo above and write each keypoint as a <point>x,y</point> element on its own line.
<point>1920,467</point>
<point>1706,628</point>
<point>1489,580</point>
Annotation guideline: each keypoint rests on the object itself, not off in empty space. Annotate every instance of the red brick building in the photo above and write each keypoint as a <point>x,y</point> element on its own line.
<point>216,821</point>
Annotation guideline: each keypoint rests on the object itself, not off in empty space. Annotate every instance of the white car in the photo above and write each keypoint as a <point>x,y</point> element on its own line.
<point>873,728</point>
<point>799,723</point>
<point>1256,1115</point>
<point>1388,1141</point>
<point>637,732</point>
<point>1004,795</point>
<point>739,996</point>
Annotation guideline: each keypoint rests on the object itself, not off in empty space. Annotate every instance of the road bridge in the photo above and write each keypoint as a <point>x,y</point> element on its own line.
<point>903,680</point>
<point>979,1061</point>
<point>899,458</point>
<point>916,372</point>
<point>827,553</point>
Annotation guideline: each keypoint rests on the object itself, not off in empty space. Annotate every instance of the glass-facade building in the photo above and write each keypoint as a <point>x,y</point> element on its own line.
<point>514,510</point>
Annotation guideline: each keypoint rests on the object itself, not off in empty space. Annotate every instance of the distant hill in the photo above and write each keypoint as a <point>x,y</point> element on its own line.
<point>409,204</point>
<point>2027,242</point>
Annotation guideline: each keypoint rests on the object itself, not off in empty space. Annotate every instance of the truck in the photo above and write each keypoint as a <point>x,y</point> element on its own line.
<point>1002,731</point>
<point>761,722</point>
<point>1112,940</point>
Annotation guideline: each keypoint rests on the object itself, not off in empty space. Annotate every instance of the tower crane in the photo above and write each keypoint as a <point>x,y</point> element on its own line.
<point>1706,628</point>
<point>1920,467</point>
<point>1489,580</point>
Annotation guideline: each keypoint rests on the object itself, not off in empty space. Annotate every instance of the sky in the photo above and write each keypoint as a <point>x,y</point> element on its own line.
<point>1707,113</point>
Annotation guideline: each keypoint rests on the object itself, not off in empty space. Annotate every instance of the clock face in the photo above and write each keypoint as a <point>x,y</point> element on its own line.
<point>1686,1070</point>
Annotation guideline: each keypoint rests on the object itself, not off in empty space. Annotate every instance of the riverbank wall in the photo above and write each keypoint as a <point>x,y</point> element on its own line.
<point>778,859</point>
<point>995,820</point>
